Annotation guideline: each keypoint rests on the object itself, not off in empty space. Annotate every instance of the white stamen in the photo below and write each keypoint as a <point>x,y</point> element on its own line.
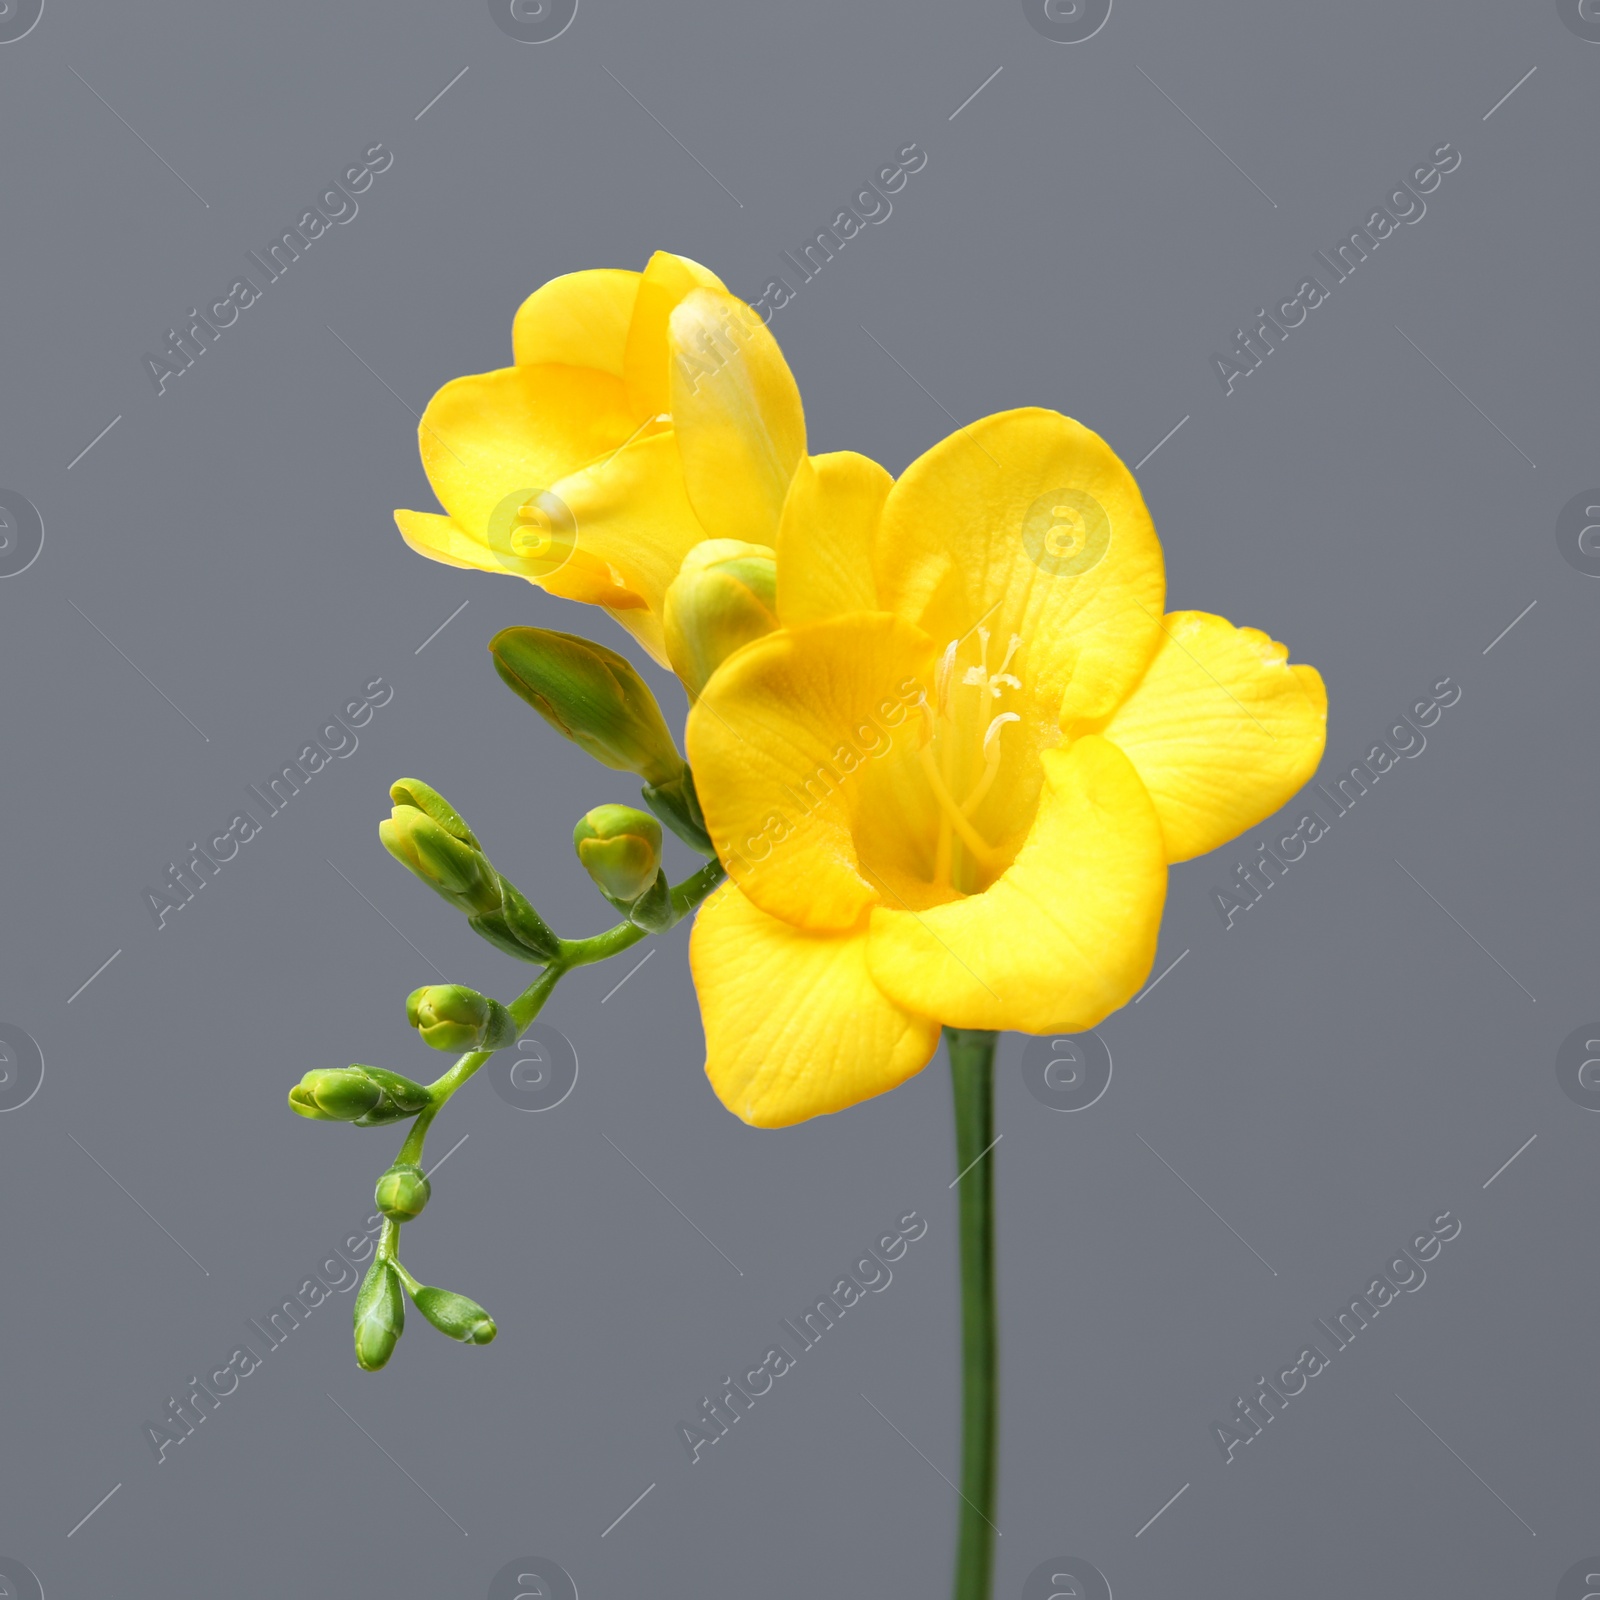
<point>992,733</point>
<point>947,663</point>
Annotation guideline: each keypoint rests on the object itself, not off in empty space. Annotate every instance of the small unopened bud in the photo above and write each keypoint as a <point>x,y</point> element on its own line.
<point>380,1315</point>
<point>402,1192</point>
<point>366,1096</point>
<point>451,867</point>
<point>620,848</point>
<point>413,792</point>
<point>456,1315</point>
<point>592,696</point>
<point>449,1016</point>
<point>336,1094</point>
<point>725,595</point>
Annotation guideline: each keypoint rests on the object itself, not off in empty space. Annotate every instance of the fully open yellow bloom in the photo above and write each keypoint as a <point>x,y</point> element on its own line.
<point>947,788</point>
<point>646,412</point>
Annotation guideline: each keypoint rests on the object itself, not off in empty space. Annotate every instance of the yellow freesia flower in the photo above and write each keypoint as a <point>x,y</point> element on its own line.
<point>646,412</point>
<point>948,786</point>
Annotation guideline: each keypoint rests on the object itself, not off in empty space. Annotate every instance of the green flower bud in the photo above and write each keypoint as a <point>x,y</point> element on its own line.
<point>620,848</point>
<point>402,1192</point>
<point>366,1096</point>
<point>380,1315</point>
<point>450,866</point>
<point>413,792</point>
<point>456,1315</point>
<point>591,695</point>
<point>450,1016</point>
<point>725,595</point>
<point>336,1094</point>
<point>509,933</point>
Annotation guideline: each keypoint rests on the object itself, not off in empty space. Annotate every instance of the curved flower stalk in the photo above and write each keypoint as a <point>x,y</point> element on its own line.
<point>596,699</point>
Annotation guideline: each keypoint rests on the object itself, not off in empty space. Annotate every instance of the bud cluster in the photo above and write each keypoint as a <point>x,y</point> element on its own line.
<point>723,598</point>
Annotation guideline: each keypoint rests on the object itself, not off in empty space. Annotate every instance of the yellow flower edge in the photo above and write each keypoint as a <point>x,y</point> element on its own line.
<point>644,413</point>
<point>947,788</point>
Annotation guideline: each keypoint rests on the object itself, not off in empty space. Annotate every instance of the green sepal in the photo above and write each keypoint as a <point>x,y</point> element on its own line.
<point>677,804</point>
<point>455,1315</point>
<point>501,1029</point>
<point>407,1095</point>
<point>516,927</point>
<point>379,1316</point>
<point>382,1115</point>
<point>653,910</point>
<point>525,924</point>
<point>495,929</point>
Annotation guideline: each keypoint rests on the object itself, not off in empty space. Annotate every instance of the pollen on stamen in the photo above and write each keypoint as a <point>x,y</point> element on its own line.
<point>980,677</point>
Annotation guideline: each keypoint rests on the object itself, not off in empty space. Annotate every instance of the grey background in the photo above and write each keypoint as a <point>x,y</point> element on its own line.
<point>1329,1073</point>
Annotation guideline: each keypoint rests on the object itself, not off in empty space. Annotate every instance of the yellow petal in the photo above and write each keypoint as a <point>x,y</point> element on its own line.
<point>666,280</point>
<point>794,1025</point>
<point>516,431</point>
<point>1221,729</point>
<point>630,512</point>
<point>645,626</point>
<point>578,578</point>
<point>439,539</point>
<point>1029,523</point>
<point>577,320</point>
<point>825,537</point>
<point>780,741</point>
<point>737,413</point>
<point>1065,935</point>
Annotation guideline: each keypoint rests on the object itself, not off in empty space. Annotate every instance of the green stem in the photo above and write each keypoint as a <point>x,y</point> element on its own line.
<point>972,1077</point>
<point>685,897</point>
<point>523,1010</point>
<point>574,953</point>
